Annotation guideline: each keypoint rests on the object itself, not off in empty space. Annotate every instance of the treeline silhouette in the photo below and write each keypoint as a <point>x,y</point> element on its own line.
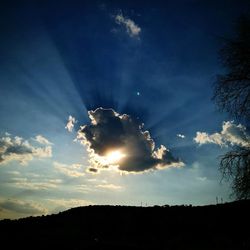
<point>222,226</point>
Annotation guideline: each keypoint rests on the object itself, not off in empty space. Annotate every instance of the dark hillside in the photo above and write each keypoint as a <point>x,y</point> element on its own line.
<point>224,226</point>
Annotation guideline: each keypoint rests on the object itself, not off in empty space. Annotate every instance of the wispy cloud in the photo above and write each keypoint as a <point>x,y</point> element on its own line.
<point>231,134</point>
<point>109,186</point>
<point>83,188</point>
<point>72,170</point>
<point>33,184</point>
<point>131,28</point>
<point>71,123</point>
<point>13,172</point>
<point>18,149</point>
<point>201,178</point>
<point>22,207</point>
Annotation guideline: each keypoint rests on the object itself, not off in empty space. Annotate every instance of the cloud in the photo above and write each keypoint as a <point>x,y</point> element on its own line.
<point>71,123</point>
<point>18,149</point>
<point>31,184</point>
<point>231,134</point>
<point>73,170</point>
<point>204,178</point>
<point>109,186</point>
<point>181,136</point>
<point>42,140</point>
<point>132,29</point>
<point>13,172</point>
<point>118,141</point>
<point>22,207</point>
<point>83,188</point>
<point>92,170</point>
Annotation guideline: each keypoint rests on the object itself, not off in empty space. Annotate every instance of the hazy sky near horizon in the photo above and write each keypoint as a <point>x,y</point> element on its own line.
<point>129,63</point>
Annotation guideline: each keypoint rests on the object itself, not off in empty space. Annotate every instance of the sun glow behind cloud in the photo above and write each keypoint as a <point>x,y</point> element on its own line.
<point>112,159</point>
<point>114,156</point>
<point>133,149</point>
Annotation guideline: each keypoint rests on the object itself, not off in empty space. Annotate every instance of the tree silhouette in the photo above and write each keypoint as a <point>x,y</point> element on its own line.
<point>232,89</point>
<point>232,94</point>
<point>236,165</point>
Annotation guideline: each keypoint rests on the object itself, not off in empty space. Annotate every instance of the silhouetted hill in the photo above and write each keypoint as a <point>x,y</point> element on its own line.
<point>224,226</point>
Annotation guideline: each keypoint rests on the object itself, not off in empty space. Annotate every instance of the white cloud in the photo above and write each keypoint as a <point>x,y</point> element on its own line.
<point>132,29</point>
<point>201,178</point>
<point>231,134</point>
<point>43,152</point>
<point>18,149</point>
<point>71,123</point>
<point>181,136</point>
<point>109,186</point>
<point>203,138</point>
<point>73,170</point>
<point>13,172</point>
<point>235,134</point>
<point>31,184</point>
<point>83,188</point>
<point>42,140</point>
<point>35,185</point>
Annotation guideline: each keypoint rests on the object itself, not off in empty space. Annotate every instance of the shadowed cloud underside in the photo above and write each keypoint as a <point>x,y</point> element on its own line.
<point>115,140</point>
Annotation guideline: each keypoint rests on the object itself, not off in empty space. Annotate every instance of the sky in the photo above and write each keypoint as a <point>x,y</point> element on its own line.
<point>109,102</point>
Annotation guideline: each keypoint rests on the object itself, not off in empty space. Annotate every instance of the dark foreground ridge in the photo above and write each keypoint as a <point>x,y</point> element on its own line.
<point>224,226</point>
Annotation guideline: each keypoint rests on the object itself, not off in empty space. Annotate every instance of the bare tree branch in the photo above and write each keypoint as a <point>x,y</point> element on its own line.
<point>232,94</point>
<point>231,90</point>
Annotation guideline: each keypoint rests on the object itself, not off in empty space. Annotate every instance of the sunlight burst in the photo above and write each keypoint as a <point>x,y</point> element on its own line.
<point>114,156</point>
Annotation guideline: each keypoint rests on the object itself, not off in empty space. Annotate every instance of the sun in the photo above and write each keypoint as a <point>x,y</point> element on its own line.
<point>114,156</point>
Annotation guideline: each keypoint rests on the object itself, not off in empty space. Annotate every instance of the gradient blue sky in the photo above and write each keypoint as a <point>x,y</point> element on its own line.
<point>65,58</point>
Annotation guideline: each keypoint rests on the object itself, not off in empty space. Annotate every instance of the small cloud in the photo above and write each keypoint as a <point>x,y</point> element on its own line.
<point>22,207</point>
<point>42,140</point>
<point>73,170</point>
<point>132,29</point>
<point>92,170</point>
<point>13,172</point>
<point>71,123</point>
<point>181,136</point>
<point>43,152</point>
<point>118,141</point>
<point>18,149</point>
<point>231,134</point>
<point>109,186</point>
<point>201,178</point>
<point>33,175</point>
<point>83,188</point>
<point>92,180</point>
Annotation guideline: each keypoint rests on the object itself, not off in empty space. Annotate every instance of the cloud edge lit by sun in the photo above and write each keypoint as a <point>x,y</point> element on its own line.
<point>117,141</point>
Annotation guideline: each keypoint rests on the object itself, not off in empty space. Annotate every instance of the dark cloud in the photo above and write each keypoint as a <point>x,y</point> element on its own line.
<point>18,149</point>
<point>92,170</point>
<point>22,207</point>
<point>110,131</point>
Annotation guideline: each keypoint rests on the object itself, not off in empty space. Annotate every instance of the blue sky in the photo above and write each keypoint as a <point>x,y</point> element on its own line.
<point>153,60</point>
